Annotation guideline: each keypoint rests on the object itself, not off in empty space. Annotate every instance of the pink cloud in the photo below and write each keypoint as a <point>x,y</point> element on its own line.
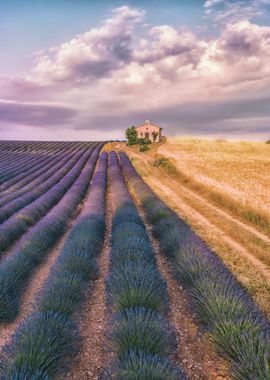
<point>108,76</point>
<point>93,54</point>
<point>224,11</point>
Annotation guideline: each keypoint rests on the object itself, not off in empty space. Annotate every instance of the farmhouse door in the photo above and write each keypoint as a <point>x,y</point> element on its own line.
<point>146,135</point>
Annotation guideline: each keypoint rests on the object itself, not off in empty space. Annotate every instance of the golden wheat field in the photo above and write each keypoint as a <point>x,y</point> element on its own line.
<point>238,169</point>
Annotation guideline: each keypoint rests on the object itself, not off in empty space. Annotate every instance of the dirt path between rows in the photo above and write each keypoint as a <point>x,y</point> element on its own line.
<point>36,283</point>
<point>194,352</point>
<point>199,218</point>
<point>95,355</point>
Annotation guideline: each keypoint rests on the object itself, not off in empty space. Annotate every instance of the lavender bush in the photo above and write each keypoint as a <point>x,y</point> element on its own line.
<point>140,336</point>
<point>238,328</point>
<point>47,341</point>
<point>55,175</point>
<point>18,224</point>
<point>17,268</point>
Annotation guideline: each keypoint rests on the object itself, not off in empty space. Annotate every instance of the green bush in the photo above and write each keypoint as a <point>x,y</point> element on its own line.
<point>131,135</point>
<point>145,141</point>
<point>144,148</point>
<point>166,164</point>
<point>141,330</point>
<point>161,161</point>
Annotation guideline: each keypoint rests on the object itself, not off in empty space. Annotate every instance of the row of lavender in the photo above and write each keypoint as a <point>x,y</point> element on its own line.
<point>14,201</point>
<point>12,172</point>
<point>26,150</point>
<point>237,327</point>
<point>32,180</point>
<point>24,176</point>
<point>44,344</point>
<point>20,222</point>
<point>24,146</point>
<point>16,146</point>
<point>8,154</point>
<point>141,336</point>
<point>9,158</point>
<point>11,161</point>
<point>16,270</point>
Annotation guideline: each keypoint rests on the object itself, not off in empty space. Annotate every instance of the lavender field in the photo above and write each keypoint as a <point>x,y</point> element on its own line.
<point>100,279</point>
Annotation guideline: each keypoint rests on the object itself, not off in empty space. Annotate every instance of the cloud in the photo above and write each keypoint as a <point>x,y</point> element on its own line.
<point>166,42</point>
<point>122,73</point>
<point>35,114</point>
<point>212,3</point>
<point>199,112</point>
<point>93,54</point>
<point>224,11</point>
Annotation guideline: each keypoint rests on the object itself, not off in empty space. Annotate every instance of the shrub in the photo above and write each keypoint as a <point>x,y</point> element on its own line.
<point>131,135</point>
<point>144,148</point>
<point>140,329</point>
<point>145,141</point>
<point>136,365</point>
<point>161,161</point>
<point>128,251</point>
<point>63,293</point>
<point>42,344</point>
<point>166,164</point>
<point>137,285</point>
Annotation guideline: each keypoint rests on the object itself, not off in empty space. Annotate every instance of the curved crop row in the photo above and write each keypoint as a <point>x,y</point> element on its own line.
<point>34,146</point>
<point>44,343</point>
<point>237,327</point>
<point>22,149</point>
<point>12,155</point>
<point>17,268</point>
<point>29,182</point>
<point>30,163</point>
<point>19,223</point>
<point>23,146</point>
<point>33,171</point>
<point>12,168</point>
<point>8,159</point>
<point>141,337</point>
<point>19,163</point>
<point>57,172</point>
<point>24,178</point>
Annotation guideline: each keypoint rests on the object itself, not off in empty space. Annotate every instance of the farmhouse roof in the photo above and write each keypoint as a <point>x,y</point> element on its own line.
<point>147,122</point>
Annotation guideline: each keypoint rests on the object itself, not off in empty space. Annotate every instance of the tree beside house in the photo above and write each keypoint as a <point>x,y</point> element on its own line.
<point>145,132</point>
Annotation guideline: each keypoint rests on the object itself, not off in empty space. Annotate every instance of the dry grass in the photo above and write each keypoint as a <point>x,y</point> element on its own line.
<point>233,175</point>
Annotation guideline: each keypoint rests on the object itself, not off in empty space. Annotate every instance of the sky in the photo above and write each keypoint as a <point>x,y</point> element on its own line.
<point>84,70</point>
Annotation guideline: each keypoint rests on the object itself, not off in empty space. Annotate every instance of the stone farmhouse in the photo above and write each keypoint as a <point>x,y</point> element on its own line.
<point>149,131</point>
